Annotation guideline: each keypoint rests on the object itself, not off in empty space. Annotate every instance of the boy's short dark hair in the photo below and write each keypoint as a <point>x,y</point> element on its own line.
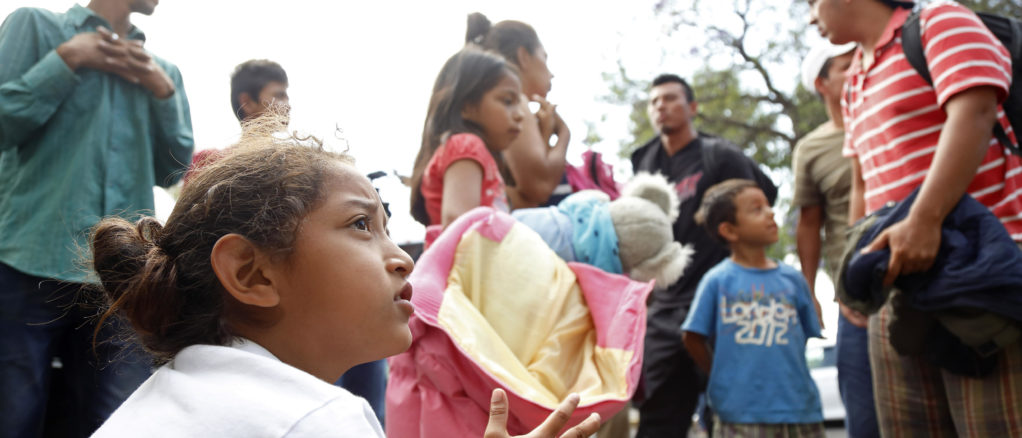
<point>250,77</point>
<point>666,78</point>
<point>718,205</point>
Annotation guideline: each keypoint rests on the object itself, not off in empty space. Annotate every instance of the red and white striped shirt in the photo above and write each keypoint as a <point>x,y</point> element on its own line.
<point>894,118</point>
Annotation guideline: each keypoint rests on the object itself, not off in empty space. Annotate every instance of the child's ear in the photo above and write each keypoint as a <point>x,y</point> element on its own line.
<point>470,111</point>
<point>240,266</point>
<point>245,104</point>
<point>727,231</point>
<point>524,57</point>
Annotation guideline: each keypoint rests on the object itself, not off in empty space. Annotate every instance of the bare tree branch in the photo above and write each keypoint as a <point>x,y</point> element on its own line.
<point>756,129</point>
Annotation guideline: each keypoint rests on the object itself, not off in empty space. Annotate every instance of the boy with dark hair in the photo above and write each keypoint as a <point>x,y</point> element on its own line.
<point>758,315</point>
<point>256,86</point>
<point>692,161</point>
<point>906,134</point>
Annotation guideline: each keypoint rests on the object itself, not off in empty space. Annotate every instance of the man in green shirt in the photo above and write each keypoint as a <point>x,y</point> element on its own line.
<point>89,122</point>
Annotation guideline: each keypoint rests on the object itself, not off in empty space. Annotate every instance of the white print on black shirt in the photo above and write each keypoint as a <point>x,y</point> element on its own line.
<point>686,188</point>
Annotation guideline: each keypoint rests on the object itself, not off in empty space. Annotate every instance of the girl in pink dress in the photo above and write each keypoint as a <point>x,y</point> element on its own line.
<point>474,114</point>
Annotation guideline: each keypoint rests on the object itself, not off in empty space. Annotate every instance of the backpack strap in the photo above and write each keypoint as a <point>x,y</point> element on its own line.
<point>912,45</point>
<point>709,146</point>
<point>593,171</point>
<point>712,147</point>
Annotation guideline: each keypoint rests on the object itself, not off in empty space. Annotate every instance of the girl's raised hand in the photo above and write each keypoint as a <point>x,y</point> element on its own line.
<point>497,426</point>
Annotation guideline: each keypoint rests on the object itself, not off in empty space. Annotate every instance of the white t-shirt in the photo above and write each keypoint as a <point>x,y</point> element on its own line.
<point>238,391</point>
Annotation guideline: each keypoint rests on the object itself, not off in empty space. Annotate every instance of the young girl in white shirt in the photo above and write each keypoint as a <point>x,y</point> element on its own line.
<point>274,275</point>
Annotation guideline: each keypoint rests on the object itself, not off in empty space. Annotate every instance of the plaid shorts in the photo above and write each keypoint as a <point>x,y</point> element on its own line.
<point>917,399</point>
<point>787,430</point>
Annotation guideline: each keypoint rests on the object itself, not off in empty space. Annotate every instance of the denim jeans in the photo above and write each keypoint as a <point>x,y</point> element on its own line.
<point>855,380</point>
<point>42,319</point>
<point>368,381</point>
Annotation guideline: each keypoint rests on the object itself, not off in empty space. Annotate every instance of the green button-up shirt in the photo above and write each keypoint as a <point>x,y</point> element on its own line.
<point>76,146</point>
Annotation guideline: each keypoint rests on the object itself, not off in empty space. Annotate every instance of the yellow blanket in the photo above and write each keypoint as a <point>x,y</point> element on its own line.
<point>517,310</point>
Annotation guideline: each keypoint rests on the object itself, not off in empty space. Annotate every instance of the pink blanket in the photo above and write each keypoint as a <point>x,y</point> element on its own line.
<point>469,295</point>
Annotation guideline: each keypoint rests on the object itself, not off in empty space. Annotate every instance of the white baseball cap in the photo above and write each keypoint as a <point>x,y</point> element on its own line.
<point>818,55</point>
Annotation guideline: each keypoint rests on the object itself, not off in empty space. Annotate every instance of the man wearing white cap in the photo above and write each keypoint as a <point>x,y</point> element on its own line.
<point>822,187</point>
<point>822,174</point>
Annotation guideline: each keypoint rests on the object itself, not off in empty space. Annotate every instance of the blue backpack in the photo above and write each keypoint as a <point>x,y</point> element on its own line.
<point>1009,32</point>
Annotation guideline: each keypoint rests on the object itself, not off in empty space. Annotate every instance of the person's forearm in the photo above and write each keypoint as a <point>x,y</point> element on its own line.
<point>158,83</point>
<point>69,54</point>
<point>856,199</point>
<point>537,167</point>
<point>559,151</point>
<point>963,143</point>
<point>463,181</point>
<point>555,158</point>
<point>696,345</point>
<point>29,97</point>
<point>808,242</point>
<point>173,141</point>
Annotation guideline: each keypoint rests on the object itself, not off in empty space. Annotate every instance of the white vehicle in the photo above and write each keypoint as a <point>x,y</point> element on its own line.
<point>821,355</point>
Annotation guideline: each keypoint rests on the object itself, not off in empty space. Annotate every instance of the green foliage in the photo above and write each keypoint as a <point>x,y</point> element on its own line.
<point>810,112</point>
<point>627,91</point>
<point>738,95</point>
<point>728,110</point>
<point>592,136</point>
<point>739,82</point>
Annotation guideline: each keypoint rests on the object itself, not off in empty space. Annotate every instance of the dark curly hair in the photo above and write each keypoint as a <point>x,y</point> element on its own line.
<point>160,277</point>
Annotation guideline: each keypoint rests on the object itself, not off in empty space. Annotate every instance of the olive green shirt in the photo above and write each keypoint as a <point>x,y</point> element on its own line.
<point>76,146</point>
<point>823,177</point>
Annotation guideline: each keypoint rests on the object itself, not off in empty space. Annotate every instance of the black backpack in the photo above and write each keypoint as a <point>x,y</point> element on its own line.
<point>1009,32</point>
<point>712,147</point>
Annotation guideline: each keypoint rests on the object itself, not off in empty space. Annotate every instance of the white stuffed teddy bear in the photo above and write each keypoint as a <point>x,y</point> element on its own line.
<point>631,234</point>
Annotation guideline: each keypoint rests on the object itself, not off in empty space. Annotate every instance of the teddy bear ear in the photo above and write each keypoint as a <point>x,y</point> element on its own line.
<point>666,266</point>
<point>656,189</point>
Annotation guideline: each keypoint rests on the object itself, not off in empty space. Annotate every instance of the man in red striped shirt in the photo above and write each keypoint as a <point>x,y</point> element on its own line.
<point>903,134</point>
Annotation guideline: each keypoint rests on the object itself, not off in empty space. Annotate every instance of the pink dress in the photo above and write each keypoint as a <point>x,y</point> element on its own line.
<point>462,146</point>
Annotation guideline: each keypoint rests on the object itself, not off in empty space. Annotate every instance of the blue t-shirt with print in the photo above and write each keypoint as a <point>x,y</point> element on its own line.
<point>758,321</point>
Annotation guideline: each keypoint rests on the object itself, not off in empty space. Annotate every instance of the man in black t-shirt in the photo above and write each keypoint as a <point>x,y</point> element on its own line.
<point>693,162</point>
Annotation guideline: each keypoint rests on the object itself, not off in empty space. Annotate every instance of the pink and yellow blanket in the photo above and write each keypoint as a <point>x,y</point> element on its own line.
<point>495,307</point>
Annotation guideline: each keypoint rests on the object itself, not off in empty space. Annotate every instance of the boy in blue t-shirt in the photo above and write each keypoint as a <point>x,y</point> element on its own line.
<point>756,314</point>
